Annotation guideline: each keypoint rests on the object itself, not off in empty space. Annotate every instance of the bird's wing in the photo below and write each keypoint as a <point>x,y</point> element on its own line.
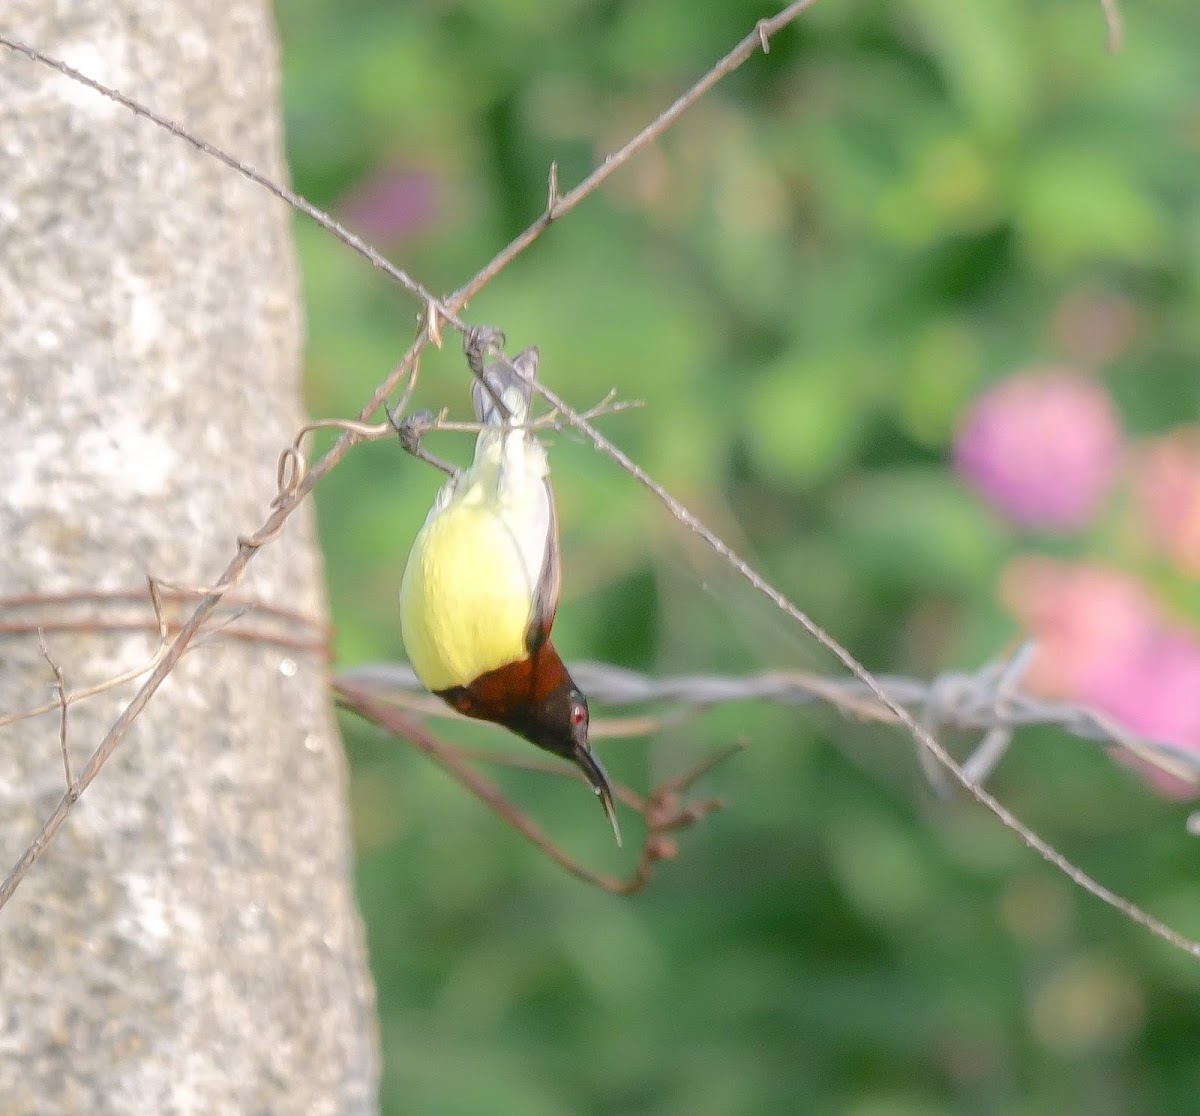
<point>545,593</point>
<point>502,395</point>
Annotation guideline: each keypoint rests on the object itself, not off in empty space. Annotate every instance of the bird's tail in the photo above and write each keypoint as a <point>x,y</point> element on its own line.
<point>503,389</point>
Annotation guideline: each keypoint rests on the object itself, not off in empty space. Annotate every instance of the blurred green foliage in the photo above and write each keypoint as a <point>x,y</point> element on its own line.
<point>806,280</point>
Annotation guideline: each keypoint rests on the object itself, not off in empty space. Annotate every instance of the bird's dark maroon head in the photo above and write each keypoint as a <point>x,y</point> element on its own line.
<point>559,723</point>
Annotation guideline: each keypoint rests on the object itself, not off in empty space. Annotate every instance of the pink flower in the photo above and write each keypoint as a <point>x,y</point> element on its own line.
<point>1104,643</point>
<point>1168,495</point>
<point>1043,447</point>
<point>1157,697</point>
<point>1085,617</point>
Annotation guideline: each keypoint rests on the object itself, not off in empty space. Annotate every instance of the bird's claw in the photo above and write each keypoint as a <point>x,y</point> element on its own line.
<point>411,430</point>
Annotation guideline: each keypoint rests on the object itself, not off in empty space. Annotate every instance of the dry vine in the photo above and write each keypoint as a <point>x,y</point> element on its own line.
<point>296,482</point>
<point>663,809</point>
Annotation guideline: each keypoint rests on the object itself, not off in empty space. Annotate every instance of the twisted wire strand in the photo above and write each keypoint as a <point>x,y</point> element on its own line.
<point>957,701</point>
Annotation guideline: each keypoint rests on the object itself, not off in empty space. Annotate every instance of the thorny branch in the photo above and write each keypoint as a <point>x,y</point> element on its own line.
<point>293,466</point>
<point>406,371</point>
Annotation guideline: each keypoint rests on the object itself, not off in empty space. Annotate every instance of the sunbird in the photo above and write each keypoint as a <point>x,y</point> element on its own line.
<point>481,587</point>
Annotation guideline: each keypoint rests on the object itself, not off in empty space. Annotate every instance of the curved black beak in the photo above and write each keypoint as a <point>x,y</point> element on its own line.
<point>598,777</point>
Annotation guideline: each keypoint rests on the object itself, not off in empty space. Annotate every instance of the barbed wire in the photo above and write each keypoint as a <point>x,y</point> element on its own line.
<point>955,701</point>
<point>989,700</point>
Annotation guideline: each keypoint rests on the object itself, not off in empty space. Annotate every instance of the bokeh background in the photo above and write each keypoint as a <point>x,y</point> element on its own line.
<point>914,304</point>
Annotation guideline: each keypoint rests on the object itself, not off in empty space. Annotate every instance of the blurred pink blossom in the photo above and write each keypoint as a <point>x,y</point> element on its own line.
<point>1167,490</point>
<point>391,204</point>
<point>1156,696</point>
<point>1085,617</point>
<point>1042,446</point>
<point>1105,643</point>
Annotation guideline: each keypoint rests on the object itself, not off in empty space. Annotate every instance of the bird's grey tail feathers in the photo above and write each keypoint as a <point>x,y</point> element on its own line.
<point>503,389</point>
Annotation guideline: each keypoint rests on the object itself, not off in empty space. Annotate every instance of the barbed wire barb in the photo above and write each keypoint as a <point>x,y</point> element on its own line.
<point>60,687</point>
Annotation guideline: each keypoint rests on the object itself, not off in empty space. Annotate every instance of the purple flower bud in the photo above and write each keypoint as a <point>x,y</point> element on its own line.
<point>1043,447</point>
<point>391,204</point>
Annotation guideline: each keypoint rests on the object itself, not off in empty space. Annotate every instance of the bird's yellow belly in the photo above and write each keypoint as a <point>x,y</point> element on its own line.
<point>466,597</point>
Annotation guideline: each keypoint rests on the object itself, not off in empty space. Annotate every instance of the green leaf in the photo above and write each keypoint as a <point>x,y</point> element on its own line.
<point>919,527</point>
<point>1075,207</point>
<point>802,420</point>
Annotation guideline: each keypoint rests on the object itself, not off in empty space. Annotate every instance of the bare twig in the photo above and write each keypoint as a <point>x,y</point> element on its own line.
<point>60,686</point>
<point>67,699</point>
<point>425,422</point>
<point>664,810</point>
<point>1116,28</point>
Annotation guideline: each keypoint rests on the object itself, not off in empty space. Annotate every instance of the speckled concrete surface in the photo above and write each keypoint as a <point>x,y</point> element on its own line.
<point>189,943</point>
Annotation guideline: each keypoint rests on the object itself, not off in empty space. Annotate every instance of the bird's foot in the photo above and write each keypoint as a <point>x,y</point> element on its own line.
<point>481,343</point>
<point>411,430</point>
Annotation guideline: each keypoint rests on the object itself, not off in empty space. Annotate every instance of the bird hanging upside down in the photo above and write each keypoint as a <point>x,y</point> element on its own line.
<point>481,586</point>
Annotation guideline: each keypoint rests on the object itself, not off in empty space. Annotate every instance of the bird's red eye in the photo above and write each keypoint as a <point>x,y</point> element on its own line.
<point>578,715</point>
